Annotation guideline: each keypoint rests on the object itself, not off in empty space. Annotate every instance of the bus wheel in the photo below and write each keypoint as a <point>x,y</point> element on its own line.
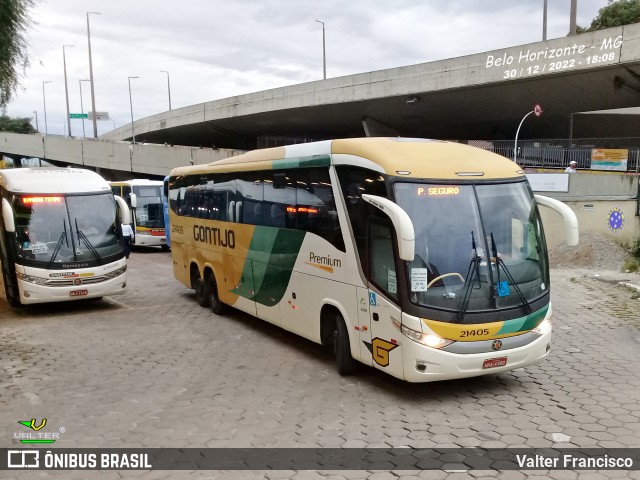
<point>199,286</point>
<point>216,304</point>
<point>342,348</point>
<point>165,248</point>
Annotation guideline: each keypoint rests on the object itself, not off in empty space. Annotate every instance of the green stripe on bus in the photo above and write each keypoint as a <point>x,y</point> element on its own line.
<point>302,162</point>
<point>523,324</point>
<point>270,260</point>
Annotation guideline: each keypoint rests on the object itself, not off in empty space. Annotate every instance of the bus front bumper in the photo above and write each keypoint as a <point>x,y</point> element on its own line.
<point>31,293</point>
<point>423,364</point>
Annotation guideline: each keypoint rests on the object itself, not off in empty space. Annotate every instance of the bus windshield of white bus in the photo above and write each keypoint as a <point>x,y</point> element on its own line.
<point>55,230</point>
<point>149,206</point>
<point>478,247</point>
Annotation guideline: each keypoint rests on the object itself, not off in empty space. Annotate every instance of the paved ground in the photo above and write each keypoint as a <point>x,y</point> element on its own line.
<point>153,369</point>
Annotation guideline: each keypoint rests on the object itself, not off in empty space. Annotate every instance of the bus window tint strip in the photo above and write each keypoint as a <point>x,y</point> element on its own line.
<point>300,199</point>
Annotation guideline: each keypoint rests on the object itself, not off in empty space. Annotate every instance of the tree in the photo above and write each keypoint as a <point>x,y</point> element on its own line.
<point>14,20</point>
<point>16,125</point>
<point>615,14</point>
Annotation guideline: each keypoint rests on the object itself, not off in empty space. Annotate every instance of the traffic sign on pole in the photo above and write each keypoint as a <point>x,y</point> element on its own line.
<point>78,115</point>
<point>99,115</point>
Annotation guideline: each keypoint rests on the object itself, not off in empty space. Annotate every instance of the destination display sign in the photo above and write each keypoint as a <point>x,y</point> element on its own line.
<point>575,52</point>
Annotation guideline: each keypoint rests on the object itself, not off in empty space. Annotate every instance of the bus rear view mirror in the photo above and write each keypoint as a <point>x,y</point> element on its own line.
<point>570,219</point>
<point>7,216</point>
<point>124,210</point>
<point>401,222</point>
<point>133,200</point>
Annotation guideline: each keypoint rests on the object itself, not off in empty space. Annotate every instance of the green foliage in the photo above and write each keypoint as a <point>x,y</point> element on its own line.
<point>635,248</point>
<point>14,20</point>
<point>615,14</point>
<point>16,125</point>
<point>630,265</point>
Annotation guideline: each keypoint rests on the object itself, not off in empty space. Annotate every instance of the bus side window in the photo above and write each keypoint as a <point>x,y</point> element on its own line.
<point>381,255</point>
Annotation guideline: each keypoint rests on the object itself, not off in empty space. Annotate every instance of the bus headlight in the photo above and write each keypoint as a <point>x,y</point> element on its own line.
<point>543,328</point>
<point>31,279</point>
<point>429,339</point>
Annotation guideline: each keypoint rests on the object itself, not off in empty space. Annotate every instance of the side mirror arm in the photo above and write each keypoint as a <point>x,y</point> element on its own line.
<point>570,220</point>
<point>401,222</point>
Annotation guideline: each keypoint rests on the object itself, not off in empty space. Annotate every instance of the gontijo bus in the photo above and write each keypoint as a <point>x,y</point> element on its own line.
<point>144,198</point>
<point>60,236</point>
<point>424,259</point>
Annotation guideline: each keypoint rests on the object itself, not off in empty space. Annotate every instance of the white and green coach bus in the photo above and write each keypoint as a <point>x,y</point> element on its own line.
<point>60,236</point>
<point>424,259</point>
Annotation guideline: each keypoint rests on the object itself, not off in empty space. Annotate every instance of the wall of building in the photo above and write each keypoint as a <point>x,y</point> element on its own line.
<point>595,198</point>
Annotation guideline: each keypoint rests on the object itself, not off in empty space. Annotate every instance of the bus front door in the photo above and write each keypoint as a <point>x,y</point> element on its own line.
<point>386,339</point>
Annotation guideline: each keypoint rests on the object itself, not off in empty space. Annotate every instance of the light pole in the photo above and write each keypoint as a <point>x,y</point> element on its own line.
<point>81,106</point>
<point>168,87</point>
<point>66,88</point>
<point>324,52</point>
<point>93,93</point>
<point>537,110</point>
<point>544,22</point>
<point>44,104</point>
<point>133,135</point>
<point>36,113</point>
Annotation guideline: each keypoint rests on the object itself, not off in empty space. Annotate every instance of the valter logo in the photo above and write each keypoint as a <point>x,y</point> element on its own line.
<point>36,435</point>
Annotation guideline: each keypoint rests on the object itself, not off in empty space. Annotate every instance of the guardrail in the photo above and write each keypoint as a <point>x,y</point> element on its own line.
<point>557,153</point>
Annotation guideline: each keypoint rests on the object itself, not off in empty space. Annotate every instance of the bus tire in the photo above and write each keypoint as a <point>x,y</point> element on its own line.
<point>200,288</point>
<point>342,348</point>
<point>215,303</point>
<point>165,248</point>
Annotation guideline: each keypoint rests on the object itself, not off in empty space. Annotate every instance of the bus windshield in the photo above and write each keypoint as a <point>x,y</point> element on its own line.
<point>55,230</point>
<point>149,206</point>
<point>478,247</point>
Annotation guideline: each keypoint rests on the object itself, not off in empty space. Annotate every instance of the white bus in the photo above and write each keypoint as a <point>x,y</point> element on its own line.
<point>60,236</point>
<point>424,259</point>
<point>144,198</point>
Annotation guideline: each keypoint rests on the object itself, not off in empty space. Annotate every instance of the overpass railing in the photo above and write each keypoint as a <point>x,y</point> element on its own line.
<point>557,153</point>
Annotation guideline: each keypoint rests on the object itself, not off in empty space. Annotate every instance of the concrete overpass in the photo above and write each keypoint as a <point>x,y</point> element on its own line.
<point>482,96</point>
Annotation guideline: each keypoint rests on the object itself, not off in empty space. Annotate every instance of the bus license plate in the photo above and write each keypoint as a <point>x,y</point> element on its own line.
<point>495,362</point>
<point>78,293</point>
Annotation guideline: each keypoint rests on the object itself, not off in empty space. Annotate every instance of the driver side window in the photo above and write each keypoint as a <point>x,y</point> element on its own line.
<point>382,257</point>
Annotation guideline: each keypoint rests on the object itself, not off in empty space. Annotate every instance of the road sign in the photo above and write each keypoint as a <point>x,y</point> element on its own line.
<point>99,116</point>
<point>537,110</point>
<point>78,115</point>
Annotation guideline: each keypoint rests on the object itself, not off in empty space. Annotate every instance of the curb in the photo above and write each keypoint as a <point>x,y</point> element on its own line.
<point>630,285</point>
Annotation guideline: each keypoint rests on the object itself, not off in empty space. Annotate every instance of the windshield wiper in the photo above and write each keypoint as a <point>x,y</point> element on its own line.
<point>63,236</point>
<point>474,267</point>
<point>83,237</point>
<point>500,263</point>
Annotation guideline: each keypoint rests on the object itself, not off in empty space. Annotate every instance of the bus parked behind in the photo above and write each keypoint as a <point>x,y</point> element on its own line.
<point>60,236</point>
<point>144,198</point>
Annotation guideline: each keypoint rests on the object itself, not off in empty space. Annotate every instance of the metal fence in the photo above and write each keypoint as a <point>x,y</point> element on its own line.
<point>557,153</point>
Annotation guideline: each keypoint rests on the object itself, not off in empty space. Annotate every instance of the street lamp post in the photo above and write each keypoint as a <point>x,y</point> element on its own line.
<point>133,135</point>
<point>537,111</point>
<point>36,113</point>
<point>93,93</point>
<point>44,104</point>
<point>168,87</point>
<point>66,88</point>
<point>544,21</point>
<point>324,52</point>
<point>82,106</point>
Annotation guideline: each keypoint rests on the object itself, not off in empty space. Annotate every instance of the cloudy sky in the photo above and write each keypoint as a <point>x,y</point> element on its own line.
<point>214,49</point>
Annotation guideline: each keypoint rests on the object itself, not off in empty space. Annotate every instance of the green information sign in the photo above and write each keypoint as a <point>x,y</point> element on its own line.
<point>78,115</point>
